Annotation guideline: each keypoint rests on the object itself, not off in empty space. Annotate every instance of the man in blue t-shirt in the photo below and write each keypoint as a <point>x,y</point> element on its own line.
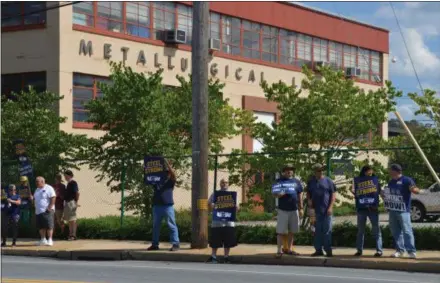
<point>11,215</point>
<point>321,195</point>
<point>163,207</point>
<point>397,200</point>
<point>289,202</point>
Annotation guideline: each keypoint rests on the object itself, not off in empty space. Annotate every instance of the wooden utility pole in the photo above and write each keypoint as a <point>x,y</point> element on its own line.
<point>200,55</point>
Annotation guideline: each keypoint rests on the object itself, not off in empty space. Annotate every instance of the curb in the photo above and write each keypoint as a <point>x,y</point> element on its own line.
<point>116,255</point>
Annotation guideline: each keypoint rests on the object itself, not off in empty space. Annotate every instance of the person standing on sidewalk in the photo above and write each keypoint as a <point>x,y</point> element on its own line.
<point>367,190</point>
<point>397,200</point>
<point>12,218</point>
<point>321,195</point>
<point>163,207</point>
<point>71,198</point>
<point>24,190</point>
<point>60,190</point>
<point>44,210</point>
<point>288,190</point>
<point>223,234</point>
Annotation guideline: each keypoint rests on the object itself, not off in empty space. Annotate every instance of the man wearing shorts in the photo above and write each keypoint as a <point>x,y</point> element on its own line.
<point>222,232</point>
<point>44,210</point>
<point>288,204</point>
<point>71,198</point>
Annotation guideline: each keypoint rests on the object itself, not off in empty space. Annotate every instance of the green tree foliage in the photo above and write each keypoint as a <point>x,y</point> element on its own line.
<point>33,117</point>
<point>327,111</point>
<point>427,137</point>
<point>142,116</point>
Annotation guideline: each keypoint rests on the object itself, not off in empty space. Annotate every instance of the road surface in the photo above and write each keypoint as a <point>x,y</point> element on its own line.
<point>40,270</point>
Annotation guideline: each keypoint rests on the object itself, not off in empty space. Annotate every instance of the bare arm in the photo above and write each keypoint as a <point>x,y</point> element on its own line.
<point>172,173</point>
<point>300,202</point>
<point>414,190</point>
<point>52,203</point>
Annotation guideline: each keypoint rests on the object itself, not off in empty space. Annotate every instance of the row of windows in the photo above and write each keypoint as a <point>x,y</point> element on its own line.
<point>16,14</point>
<point>18,82</point>
<point>238,37</point>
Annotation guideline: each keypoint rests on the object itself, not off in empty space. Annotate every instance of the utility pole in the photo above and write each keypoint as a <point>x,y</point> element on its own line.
<point>199,199</point>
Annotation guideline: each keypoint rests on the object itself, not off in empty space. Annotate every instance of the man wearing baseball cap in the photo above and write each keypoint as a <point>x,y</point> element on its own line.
<point>397,200</point>
<point>321,194</point>
<point>289,208</point>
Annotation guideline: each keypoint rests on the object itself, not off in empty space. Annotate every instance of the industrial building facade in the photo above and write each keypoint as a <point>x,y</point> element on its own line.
<point>66,50</point>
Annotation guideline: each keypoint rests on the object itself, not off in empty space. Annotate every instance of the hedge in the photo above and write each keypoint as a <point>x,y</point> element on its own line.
<point>344,235</point>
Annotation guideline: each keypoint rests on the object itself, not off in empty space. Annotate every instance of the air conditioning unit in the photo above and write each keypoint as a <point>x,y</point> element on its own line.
<point>352,72</point>
<point>214,44</point>
<point>377,79</point>
<point>322,64</point>
<point>175,36</point>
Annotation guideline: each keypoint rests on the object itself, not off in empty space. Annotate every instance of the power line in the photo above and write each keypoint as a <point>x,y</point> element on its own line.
<point>40,11</point>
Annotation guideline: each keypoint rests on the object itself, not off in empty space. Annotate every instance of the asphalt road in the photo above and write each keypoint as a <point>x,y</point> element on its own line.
<point>39,270</point>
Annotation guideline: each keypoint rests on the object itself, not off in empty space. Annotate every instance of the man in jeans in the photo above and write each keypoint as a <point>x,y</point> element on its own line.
<point>289,202</point>
<point>12,218</point>
<point>71,198</point>
<point>163,207</point>
<point>322,195</point>
<point>44,210</point>
<point>397,199</point>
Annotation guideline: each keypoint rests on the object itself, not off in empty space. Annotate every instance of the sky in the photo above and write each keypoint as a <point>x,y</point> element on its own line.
<point>420,23</point>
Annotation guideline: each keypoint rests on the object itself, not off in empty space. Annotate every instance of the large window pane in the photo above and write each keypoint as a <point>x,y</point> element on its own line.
<point>83,14</point>
<point>17,13</point>
<point>270,43</point>
<point>18,82</point>
<point>184,21</point>
<point>138,19</point>
<point>34,18</point>
<point>288,47</point>
<point>375,64</point>
<point>164,18</point>
<point>231,35</point>
<point>304,44</point>
<point>364,63</point>
<point>335,54</point>
<point>251,40</point>
<point>349,56</point>
<point>320,50</point>
<point>214,24</point>
<point>110,16</point>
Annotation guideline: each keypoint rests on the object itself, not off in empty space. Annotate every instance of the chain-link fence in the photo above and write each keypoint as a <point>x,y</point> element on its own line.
<point>251,176</point>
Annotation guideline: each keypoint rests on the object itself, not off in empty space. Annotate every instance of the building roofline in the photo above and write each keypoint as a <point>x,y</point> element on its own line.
<point>326,13</point>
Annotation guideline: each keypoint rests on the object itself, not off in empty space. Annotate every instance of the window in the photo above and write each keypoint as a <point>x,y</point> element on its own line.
<point>304,49</point>
<point>109,16</point>
<point>137,15</point>
<point>288,47</point>
<point>349,56</point>
<point>85,88</point>
<point>231,35</point>
<point>270,43</point>
<point>184,21</point>
<point>214,24</point>
<point>251,40</point>
<point>18,82</point>
<point>164,18</point>
<point>320,50</point>
<point>83,14</point>
<point>335,54</point>
<point>375,65</point>
<point>15,14</point>
<point>364,63</point>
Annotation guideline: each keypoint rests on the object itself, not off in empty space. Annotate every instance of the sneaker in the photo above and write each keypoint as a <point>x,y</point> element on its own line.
<point>49,243</point>
<point>226,260</point>
<point>329,254</point>
<point>317,254</point>
<point>212,259</point>
<point>153,248</point>
<point>397,255</point>
<point>378,254</point>
<point>412,255</point>
<point>42,242</point>
<point>358,253</point>
<point>175,248</point>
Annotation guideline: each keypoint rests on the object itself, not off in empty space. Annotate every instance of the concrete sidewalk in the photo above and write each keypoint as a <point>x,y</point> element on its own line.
<point>428,261</point>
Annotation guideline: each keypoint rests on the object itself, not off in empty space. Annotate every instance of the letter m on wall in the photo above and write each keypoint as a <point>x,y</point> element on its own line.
<point>85,48</point>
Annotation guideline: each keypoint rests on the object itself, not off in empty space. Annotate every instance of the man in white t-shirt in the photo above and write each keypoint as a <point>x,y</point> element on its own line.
<point>44,197</point>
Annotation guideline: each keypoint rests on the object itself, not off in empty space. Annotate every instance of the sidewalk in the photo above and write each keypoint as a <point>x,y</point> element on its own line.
<point>428,261</point>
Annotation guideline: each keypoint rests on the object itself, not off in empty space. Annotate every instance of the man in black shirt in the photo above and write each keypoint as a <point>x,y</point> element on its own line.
<point>71,198</point>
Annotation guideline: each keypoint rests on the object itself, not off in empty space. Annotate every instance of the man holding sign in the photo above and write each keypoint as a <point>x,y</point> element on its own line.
<point>224,206</point>
<point>397,200</point>
<point>366,191</point>
<point>288,190</point>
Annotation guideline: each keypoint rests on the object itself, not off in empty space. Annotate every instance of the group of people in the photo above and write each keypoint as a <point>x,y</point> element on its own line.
<point>50,204</point>
<point>321,196</point>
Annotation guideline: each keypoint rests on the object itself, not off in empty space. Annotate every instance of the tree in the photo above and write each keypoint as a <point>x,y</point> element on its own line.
<point>32,116</point>
<point>327,112</point>
<point>427,137</point>
<point>141,116</point>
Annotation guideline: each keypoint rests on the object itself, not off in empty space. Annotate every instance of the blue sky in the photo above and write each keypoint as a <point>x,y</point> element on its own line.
<point>420,22</point>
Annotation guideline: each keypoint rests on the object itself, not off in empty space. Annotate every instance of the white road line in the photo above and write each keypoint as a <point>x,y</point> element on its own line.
<point>92,264</point>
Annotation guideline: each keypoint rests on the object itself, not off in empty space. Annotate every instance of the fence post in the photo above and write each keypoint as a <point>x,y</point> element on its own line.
<point>215,171</point>
<point>123,173</point>
<point>329,160</point>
